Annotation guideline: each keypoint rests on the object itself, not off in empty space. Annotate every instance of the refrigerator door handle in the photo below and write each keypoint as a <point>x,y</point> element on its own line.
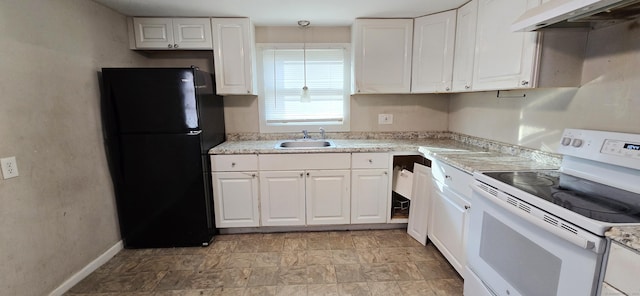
<point>194,133</point>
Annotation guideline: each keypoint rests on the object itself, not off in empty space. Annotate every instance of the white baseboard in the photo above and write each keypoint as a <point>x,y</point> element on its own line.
<point>85,271</point>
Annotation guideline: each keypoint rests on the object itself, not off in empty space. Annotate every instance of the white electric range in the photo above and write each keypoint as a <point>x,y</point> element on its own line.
<point>542,232</point>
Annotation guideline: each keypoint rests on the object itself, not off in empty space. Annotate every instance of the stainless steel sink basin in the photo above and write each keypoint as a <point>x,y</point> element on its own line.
<point>305,144</point>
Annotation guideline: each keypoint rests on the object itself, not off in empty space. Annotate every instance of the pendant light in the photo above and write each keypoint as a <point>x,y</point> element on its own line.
<point>304,95</point>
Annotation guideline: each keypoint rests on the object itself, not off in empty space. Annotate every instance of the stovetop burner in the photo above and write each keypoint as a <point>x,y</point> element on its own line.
<point>590,199</point>
<point>529,179</point>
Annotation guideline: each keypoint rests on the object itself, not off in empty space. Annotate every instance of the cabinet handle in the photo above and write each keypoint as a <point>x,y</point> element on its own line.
<point>233,164</point>
<point>447,177</point>
<point>307,174</point>
<point>301,175</point>
<point>466,207</point>
<point>386,173</point>
<point>370,160</point>
<point>524,82</point>
<point>448,89</point>
<point>175,46</point>
<point>253,175</point>
<point>170,45</point>
<point>248,91</point>
<point>467,86</point>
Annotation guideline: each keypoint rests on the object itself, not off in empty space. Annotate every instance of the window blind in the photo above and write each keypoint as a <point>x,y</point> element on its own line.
<point>283,71</point>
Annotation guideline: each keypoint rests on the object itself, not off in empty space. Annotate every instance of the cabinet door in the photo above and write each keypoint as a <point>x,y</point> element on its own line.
<point>433,43</point>
<point>420,201</point>
<point>192,33</point>
<point>446,229</point>
<point>235,197</point>
<point>328,197</point>
<point>382,55</point>
<point>369,196</point>
<point>233,55</point>
<point>465,46</point>
<point>156,33</point>
<point>621,261</point>
<point>282,201</point>
<point>504,59</point>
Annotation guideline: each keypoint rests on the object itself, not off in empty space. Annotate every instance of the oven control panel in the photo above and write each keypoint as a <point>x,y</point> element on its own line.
<point>621,149</point>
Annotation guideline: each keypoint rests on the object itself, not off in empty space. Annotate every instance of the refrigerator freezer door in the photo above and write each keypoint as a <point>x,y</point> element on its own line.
<point>147,101</point>
<point>162,200</point>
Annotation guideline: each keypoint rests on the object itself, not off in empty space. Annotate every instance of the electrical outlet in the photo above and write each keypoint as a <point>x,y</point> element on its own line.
<point>385,118</point>
<point>9,167</point>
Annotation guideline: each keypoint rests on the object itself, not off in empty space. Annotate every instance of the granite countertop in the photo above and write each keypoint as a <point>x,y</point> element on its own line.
<point>625,235</point>
<point>467,157</point>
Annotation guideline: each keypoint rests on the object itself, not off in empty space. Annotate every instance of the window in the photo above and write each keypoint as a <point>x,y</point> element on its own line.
<point>282,107</point>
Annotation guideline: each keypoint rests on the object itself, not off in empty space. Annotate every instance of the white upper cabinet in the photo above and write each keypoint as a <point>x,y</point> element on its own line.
<point>433,45</point>
<point>382,55</point>
<point>465,46</point>
<point>172,33</point>
<point>234,51</point>
<point>503,59</point>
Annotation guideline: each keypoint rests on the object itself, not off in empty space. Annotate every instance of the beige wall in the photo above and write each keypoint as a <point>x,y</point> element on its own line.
<point>59,214</point>
<point>609,98</point>
<point>410,113</point>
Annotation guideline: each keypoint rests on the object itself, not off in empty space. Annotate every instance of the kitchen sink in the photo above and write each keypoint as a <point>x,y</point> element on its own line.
<point>305,144</point>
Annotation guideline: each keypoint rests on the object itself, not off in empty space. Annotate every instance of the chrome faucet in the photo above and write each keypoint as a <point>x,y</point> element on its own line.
<point>306,134</point>
<point>322,133</point>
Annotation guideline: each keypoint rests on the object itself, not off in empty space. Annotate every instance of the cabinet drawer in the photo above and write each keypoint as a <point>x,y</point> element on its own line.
<point>622,262</point>
<point>312,161</point>
<point>234,163</point>
<point>455,179</point>
<point>370,160</point>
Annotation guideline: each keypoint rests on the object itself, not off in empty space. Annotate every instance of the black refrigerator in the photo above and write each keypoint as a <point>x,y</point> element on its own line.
<point>159,124</point>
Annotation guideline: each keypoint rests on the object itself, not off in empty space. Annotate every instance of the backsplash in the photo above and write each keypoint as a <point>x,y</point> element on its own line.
<point>340,135</point>
<point>489,145</point>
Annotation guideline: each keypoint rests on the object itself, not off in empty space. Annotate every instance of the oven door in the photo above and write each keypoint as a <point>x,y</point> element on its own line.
<point>511,253</point>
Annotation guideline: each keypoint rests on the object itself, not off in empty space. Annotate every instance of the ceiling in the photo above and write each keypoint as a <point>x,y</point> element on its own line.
<point>284,12</point>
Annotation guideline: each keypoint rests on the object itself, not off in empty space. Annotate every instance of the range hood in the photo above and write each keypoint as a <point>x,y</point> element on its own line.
<point>576,13</point>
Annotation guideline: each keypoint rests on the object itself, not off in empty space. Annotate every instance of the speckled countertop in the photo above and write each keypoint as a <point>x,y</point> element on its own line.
<point>467,153</point>
<point>626,235</point>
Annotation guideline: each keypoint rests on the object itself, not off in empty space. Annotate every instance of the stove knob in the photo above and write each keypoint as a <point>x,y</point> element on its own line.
<point>566,141</point>
<point>576,143</point>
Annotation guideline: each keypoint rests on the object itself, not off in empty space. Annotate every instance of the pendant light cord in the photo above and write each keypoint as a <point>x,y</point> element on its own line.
<point>304,25</point>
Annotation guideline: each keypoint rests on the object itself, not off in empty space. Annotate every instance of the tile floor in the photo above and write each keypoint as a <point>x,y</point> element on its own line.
<point>372,262</point>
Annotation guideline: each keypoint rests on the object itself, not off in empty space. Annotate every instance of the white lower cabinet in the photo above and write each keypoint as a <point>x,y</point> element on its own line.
<point>447,227</point>
<point>369,187</point>
<point>236,199</point>
<point>293,198</point>
<point>282,196</point>
<point>450,204</point>
<point>305,189</point>
<point>621,277</point>
<point>420,203</point>
<point>235,190</point>
<point>369,195</point>
<point>328,197</point>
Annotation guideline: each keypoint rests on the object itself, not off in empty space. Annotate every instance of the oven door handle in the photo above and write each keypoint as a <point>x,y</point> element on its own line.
<point>564,234</point>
